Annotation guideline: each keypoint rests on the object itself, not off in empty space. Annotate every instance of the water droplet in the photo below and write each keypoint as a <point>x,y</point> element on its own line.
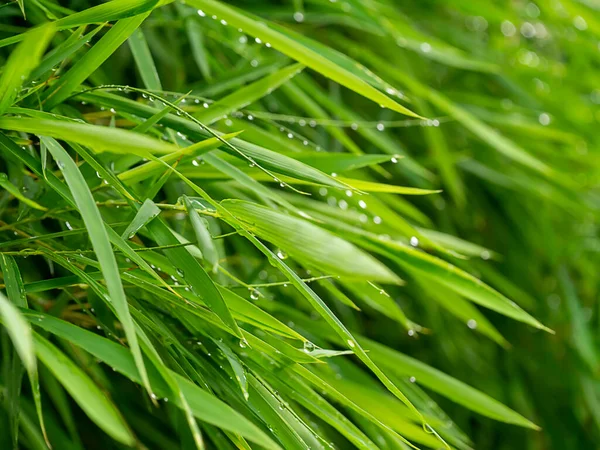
<point>528,30</point>
<point>508,29</point>
<point>254,294</point>
<point>411,332</point>
<point>425,47</point>
<point>153,395</point>
<point>201,13</point>
<point>362,204</point>
<point>351,343</point>
<point>580,23</point>
<point>394,160</point>
<point>243,343</point>
<point>299,16</point>
<point>179,272</point>
<point>414,241</point>
<point>485,255</point>
<point>472,324</point>
<point>68,225</point>
<point>281,254</point>
<point>380,126</point>
<point>377,220</point>
<point>308,346</point>
<point>544,119</point>
<point>412,379</point>
<point>258,40</point>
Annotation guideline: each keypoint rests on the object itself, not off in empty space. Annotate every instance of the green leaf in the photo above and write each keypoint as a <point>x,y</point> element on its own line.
<point>205,241</point>
<point>14,190</point>
<point>19,332</point>
<point>296,50</point>
<point>101,245</point>
<point>86,394</point>
<point>145,214</point>
<point>97,137</point>
<point>247,95</point>
<point>205,406</point>
<point>107,12</point>
<point>22,61</point>
<point>85,66</point>
<point>143,60</point>
<point>443,384</point>
<point>309,244</point>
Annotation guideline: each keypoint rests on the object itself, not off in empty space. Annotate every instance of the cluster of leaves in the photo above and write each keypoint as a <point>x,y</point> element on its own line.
<point>326,224</point>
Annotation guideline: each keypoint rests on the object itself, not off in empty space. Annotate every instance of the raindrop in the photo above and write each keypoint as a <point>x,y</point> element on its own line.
<point>414,241</point>
<point>528,30</point>
<point>412,379</point>
<point>351,343</point>
<point>281,254</point>
<point>380,126</point>
<point>394,160</point>
<point>472,324</point>
<point>580,23</point>
<point>68,225</point>
<point>201,13</point>
<point>254,294</point>
<point>258,41</point>
<point>362,204</point>
<point>179,272</point>
<point>298,16</point>
<point>544,119</point>
<point>308,346</point>
<point>377,220</point>
<point>532,10</point>
<point>485,255</point>
<point>508,29</point>
<point>243,343</point>
<point>425,47</point>
<point>411,332</point>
